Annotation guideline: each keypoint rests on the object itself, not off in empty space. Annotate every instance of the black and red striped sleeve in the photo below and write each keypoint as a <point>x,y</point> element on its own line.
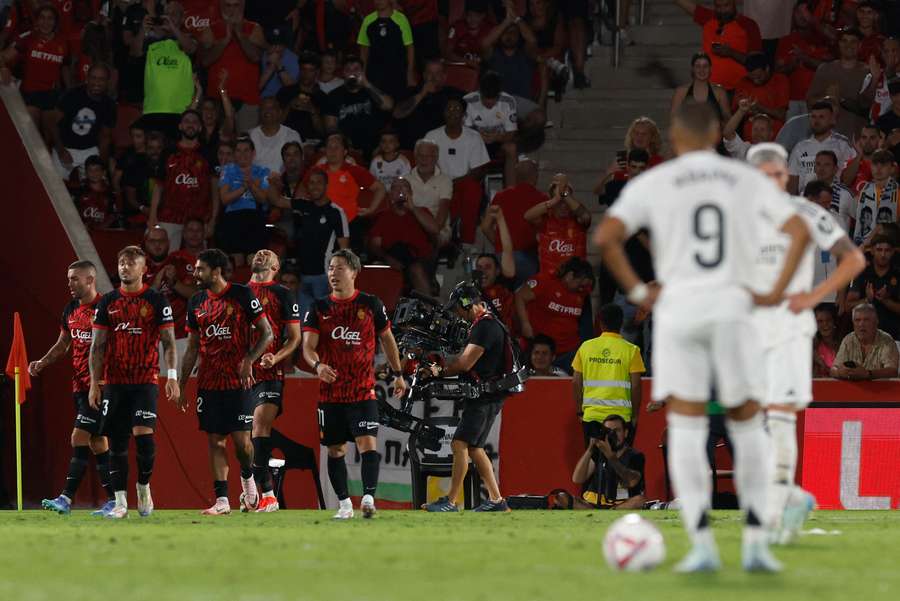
<point>163,311</point>
<point>311,319</point>
<point>290,308</point>
<point>379,315</point>
<point>253,309</point>
<point>101,313</point>
<point>193,303</point>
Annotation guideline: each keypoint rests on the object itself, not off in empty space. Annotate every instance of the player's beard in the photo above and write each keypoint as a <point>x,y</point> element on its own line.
<point>203,284</point>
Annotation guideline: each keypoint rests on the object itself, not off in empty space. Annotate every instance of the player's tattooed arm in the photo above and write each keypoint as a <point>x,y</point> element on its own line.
<point>628,477</point>
<point>189,360</point>
<point>97,358</point>
<point>59,348</point>
<point>173,390</point>
<point>265,339</point>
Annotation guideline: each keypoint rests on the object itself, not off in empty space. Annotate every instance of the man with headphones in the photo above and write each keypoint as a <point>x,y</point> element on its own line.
<point>486,357</point>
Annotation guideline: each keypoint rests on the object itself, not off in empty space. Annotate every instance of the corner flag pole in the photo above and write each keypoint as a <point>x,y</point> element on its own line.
<point>19,401</point>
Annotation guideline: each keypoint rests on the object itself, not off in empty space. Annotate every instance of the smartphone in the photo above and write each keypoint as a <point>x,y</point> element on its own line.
<point>621,157</point>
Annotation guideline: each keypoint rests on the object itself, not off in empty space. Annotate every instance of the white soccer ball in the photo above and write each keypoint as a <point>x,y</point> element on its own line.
<point>633,544</point>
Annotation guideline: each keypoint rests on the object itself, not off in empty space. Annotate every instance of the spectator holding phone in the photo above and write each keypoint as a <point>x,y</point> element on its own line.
<point>866,353</point>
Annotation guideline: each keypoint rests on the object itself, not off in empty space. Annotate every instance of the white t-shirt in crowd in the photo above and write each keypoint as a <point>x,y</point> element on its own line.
<point>737,147</point>
<point>330,86</point>
<point>500,118</point>
<point>459,155</point>
<point>387,171</point>
<point>268,148</point>
<point>803,156</point>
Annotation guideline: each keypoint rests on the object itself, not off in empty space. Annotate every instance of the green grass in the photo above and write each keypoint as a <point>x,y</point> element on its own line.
<point>523,556</point>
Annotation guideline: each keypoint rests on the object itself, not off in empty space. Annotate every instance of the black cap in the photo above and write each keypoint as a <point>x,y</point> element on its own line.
<point>465,294</point>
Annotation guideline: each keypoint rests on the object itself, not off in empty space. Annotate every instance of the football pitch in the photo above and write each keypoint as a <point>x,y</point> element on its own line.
<point>401,555</point>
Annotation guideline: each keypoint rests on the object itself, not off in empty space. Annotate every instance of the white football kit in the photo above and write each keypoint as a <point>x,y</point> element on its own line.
<point>786,336</point>
<point>706,215</point>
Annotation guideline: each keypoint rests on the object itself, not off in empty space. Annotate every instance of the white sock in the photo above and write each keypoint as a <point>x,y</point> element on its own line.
<point>121,498</point>
<point>689,471</point>
<point>783,432</point>
<point>271,493</point>
<point>752,472</point>
<point>222,500</point>
<point>143,487</point>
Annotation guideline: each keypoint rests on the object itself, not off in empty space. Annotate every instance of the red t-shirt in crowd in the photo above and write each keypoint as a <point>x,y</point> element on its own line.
<point>560,239</point>
<point>555,311</point>
<point>199,15</point>
<point>42,61</point>
<point>95,206</point>
<point>463,41</point>
<point>514,202</point>
<point>801,77</point>
<point>863,176</point>
<point>73,16</point>
<point>395,229</point>
<point>419,11</point>
<point>741,34</point>
<point>774,94</point>
<point>183,262</point>
<point>186,192</point>
<point>344,185</point>
<point>243,74</point>
<point>503,300</point>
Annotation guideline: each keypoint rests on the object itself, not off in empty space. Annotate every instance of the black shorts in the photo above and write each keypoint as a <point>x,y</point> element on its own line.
<point>476,421</point>
<point>225,411</point>
<point>46,100</point>
<point>268,391</point>
<point>125,406</point>
<point>344,422</point>
<point>86,417</point>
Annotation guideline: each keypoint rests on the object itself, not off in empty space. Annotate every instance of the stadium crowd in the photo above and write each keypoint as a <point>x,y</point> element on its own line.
<point>305,127</point>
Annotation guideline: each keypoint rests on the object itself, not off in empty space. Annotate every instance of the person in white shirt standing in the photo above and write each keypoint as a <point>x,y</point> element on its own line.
<point>787,331</point>
<point>270,135</point>
<point>462,151</point>
<point>801,165</point>
<point>705,232</point>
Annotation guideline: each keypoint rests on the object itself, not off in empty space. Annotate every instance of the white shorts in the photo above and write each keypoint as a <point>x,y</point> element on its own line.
<point>789,373</point>
<point>689,360</point>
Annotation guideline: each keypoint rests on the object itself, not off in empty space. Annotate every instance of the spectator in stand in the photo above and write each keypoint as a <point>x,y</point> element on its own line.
<point>186,191</point>
<point>465,37</point>
<point>218,122</point>
<point>171,274</point>
<point>577,18</point>
<point>270,136</point>
<point>141,176</point>
<point>291,179</point>
<point>127,160</point>
<point>423,20</point>
<point>514,202</point>
<point>774,20</point>
<point>386,49</point>
<point>880,75</point>
<point>608,187</point>
<point>492,113</point>
<point>801,165</point>
<point>401,237</point>
<point>552,303</point>
<point>245,193</point>
<point>463,158</point>
<point>799,54</point>
<point>866,353</point>
<point>761,129</point>
<point>234,45</point>
<point>869,23</point>
<point>879,285</point>
<point>497,277</point>
<point>644,134</point>
<point>320,228</point>
<point>541,355</point>
<point>826,342</point>
<point>561,223</point>
<point>357,109</point>
<point>388,163</point>
<point>423,110</point>
<point>329,72</point>
<point>305,101</point>
<point>878,197</point>
<point>701,90</point>
<point>82,123</point>
<point>727,38</point>
<point>550,39</point>
<point>95,200</point>
<point>769,94</point>
<point>889,122</point>
<point>432,189</point>
<point>193,240</point>
<point>842,202</point>
<point>95,48</point>
<point>844,80</point>
<point>280,66</point>
<point>859,169</point>
<point>43,53</point>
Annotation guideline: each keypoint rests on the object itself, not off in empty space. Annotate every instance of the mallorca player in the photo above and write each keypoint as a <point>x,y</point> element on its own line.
<point>75,333</point>
<point>129,324</point>
<point>787,334</point>
<point>705,231</point>
<point>339,342</point>
<point>283,314</point>
<point>220,318</point>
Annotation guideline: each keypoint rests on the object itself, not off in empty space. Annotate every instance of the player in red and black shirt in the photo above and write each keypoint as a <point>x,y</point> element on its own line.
<point>75,333</point>
<point>339,342</point>
<point>283,313</point>
<point>129,324</point>
<point>220,319</point>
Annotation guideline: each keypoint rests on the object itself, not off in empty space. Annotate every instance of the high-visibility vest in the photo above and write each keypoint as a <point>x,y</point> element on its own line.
<point>168,79</point>
<point>606,364</point>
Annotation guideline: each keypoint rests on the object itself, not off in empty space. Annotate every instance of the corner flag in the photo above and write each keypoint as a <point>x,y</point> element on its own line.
<point>17,368</point>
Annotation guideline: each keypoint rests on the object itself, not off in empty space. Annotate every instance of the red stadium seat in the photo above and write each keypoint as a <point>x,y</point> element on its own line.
<point>383,282</point>
<point>462,76</point>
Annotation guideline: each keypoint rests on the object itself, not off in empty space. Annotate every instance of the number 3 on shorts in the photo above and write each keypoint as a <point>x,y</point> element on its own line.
<point>105,406</point>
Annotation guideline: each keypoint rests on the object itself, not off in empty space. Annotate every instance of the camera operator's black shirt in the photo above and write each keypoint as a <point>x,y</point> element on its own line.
<point>489,335</point>
<point>606,481</point>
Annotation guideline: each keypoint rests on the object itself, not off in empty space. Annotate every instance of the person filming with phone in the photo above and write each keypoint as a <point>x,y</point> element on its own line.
<point>866,353</point>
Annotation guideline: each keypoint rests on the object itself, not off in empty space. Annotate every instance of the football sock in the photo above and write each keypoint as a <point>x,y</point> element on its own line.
<point>689,471</point>
<point>783,432</point>
<point>245,459</point>
<point>77,467</point>
<point>337,474</point>
<point>146,454</point>
<point>752,472</point>
<point>103,473</point>
<point>371,461</point>
<point>118,464</point>
<point>262,451</point>
<point>221,488</point>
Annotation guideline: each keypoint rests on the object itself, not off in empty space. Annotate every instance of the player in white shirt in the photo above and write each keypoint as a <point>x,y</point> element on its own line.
<point>787,333</point>
<point>803,156</point>
<point>705,230</point>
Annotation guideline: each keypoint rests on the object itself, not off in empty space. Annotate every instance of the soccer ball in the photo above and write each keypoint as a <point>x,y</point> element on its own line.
<point>633,544</point>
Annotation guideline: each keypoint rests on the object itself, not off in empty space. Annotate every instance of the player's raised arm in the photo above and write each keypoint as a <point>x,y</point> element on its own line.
<point>59,348</point>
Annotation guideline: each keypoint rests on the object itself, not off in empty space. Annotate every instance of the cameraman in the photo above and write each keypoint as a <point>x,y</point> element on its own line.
<point>485,357</point>
<point>613,471</point>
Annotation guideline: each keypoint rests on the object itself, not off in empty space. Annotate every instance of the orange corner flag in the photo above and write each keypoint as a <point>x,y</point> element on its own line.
<point>18,358</point>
